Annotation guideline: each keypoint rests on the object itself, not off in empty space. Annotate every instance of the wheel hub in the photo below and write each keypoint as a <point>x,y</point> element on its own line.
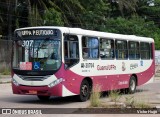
<point>84,90</point>
<point>133,85</point>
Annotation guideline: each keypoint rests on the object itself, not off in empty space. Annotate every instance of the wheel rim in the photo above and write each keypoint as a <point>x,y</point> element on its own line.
<point>84,90</point>
<point>132,85</point>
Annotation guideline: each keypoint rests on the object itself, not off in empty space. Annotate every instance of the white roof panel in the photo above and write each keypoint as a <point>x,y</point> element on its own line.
<point>80,31</point>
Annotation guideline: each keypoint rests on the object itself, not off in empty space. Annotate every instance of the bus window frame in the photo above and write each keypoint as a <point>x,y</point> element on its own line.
<point>141,51</point>
<point>66,36</point>
<point>111,58</point>
<point>151,51</point>
<point>134,50</point>
<point>117,58</point>
<point>87,58</point>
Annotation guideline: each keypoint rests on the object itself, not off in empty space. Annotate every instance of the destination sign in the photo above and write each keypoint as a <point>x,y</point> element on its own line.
<point>38,32</point>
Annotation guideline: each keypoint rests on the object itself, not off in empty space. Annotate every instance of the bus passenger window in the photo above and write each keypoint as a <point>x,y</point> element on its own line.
<point>71,50</point>
<point>106,49</point>
<point>121,51</point>
<point>90,47</point>
<point>145,50</point>
<point>133,50</point>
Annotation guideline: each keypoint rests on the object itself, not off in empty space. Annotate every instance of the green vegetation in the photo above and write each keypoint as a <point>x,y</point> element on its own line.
<point>115,96</point>
<point>142,104</point>
<point>5,68</point>
<point>6,71</point>
<point>129,102</point>
<point>136,103</point>
<point>95,96</point>
<point>133,17</point>
<point>116,100</point>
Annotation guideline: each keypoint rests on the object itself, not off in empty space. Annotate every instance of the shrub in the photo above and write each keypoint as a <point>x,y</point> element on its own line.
<point>115,96</point>
<point>95,96</point>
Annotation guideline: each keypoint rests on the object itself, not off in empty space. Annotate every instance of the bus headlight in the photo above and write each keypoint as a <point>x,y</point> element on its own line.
<point>55,82</point>
<point>15,82</point>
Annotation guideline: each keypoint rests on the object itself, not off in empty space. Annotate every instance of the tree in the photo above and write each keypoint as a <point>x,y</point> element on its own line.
<point>70,10</point>
<point>124,6</point>
<point>134,26</point>
<point>53,18</point>
<point>6,15</point>
<point>95,14</point>
<point>150,13</point>
<point>36,9</point>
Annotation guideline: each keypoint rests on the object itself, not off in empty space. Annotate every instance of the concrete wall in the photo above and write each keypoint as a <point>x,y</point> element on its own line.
<point>157,57</point>
<point>5,54</point>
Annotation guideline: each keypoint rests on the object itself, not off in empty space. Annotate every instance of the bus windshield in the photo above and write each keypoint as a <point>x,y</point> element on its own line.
<point>37,54</point>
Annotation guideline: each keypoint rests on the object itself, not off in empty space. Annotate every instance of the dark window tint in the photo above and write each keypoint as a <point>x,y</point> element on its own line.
<point>121,51</point>
<point>134,50</point>
<point>145,50</point>
<point>71,50</point>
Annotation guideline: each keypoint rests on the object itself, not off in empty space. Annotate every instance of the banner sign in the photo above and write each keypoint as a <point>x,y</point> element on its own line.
<point>25,65</point>
<point>38,32</point>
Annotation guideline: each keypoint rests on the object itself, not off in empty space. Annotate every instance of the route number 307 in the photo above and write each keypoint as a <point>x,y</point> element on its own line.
<point>27,43</point>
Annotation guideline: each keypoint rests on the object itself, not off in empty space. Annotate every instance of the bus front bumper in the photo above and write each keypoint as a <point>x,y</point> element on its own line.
<point>37,90</point>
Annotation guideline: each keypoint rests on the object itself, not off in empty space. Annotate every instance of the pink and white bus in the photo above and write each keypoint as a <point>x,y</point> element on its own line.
<point>62,61</point>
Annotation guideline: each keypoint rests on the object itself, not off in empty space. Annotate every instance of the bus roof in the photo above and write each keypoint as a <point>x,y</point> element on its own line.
<point>80,31</point>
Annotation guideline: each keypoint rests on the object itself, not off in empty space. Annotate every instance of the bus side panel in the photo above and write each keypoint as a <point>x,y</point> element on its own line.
<point>145,76</point>
<point>107,82</point>
<point>123,81</point>
<point>72,81</point>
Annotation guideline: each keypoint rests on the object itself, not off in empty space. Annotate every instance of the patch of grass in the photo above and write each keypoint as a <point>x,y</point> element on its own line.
<point>142,104</point>
<point>115,96</point>
<point>5,68</point>
<point>130,102</point>
<point>6,71</point>
<point>8,82</point>
<point>5,82</point>
<point>95,96</point>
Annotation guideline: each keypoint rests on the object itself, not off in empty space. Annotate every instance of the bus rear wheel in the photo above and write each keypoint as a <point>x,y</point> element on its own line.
<point>132,85</point>
<point>84,91</point>
<point>43,98</point>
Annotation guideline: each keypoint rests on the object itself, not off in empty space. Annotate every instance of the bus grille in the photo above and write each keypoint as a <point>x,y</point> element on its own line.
<point>33,78</point>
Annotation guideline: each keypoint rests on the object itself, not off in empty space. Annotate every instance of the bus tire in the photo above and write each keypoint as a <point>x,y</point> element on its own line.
<point>84,91</point>
<point>43,98</point>
<point>132,85</point>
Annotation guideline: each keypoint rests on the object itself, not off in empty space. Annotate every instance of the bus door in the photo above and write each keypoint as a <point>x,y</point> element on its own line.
<point>71,51</point>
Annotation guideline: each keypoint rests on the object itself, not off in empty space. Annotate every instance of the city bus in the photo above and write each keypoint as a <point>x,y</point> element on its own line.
<point>62,61</point>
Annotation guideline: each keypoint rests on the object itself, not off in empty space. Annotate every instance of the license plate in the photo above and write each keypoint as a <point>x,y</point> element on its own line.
<point>32,92</point>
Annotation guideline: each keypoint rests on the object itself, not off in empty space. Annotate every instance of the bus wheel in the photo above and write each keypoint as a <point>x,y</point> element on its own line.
<point>43,98</point>
<point>132,85</point>
<point>84,91</point>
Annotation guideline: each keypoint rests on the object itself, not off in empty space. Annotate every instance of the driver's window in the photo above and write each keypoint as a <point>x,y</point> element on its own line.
<point>71,50</point>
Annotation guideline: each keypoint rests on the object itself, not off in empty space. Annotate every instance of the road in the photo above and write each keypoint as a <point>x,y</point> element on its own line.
<point>7,99</point>
<point>149,93</point>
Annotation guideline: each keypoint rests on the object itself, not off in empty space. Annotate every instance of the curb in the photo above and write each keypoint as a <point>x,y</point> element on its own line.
<point>5,82</point>
<point>5,79</point>
<point>5,76</point>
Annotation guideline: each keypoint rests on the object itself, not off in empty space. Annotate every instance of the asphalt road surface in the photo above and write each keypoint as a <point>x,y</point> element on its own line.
<point>149,93</point>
